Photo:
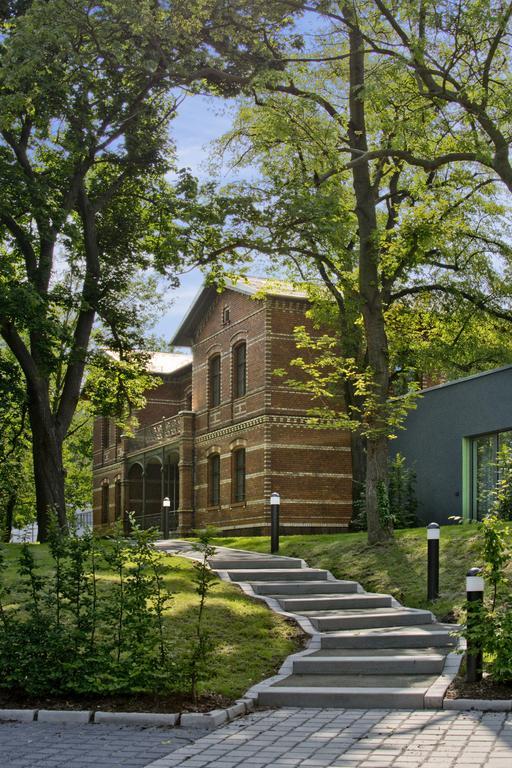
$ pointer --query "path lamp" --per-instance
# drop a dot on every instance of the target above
(433, 534)
(475, 598)
(166, 504)
(275, 503)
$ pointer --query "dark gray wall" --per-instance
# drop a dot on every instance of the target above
(432, 439)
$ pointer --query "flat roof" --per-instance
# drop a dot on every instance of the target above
(467, 378)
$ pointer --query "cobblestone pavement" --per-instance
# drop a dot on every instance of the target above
(47, 745)
(327, 738)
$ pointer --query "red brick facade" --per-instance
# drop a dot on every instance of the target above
(240, 412)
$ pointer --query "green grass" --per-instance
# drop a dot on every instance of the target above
(250, 641)
(399, 568)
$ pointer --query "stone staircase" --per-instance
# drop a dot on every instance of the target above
(366, 650)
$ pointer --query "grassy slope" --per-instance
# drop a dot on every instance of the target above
(251, 642)
(398, 568)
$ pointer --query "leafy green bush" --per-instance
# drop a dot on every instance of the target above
(490, 624)
(80, 633)
(397, 502)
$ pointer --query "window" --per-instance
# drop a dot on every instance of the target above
(105, 437)
(214, 480)
(215, 381)
(484, 473)
(240, 370)
(239, 475)
(104, 504)
(225, 316)
(117, 499)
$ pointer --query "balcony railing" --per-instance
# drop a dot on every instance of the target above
(160, 432)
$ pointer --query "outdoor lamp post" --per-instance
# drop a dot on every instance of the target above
(433, 533)
(166, 504)
(475, 597)
(275, 502)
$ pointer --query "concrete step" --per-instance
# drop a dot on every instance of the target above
(224, 564)
(421, 664)
(334, 602)
(423, 636)
(366, 618)
(283, 574)
(287, 588)
(358, 691)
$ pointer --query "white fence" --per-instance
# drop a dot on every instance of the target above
(83, 522)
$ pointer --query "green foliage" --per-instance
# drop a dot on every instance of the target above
(72, 634)
(397, 503)
(200, 652)
(488, 627)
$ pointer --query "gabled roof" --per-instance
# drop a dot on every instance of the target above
(250, 286)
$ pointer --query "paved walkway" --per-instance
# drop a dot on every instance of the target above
(329, 738)
(286, 738)
(45, 745)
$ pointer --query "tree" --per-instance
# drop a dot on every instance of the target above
(88, 93)
(378, 233)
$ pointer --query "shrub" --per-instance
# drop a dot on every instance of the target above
(77, 632)
(397, 502)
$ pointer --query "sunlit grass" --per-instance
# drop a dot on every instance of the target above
(250, 641)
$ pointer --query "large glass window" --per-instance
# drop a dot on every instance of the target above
(239, 475)
(240, 370)
(214, 480)
(484, 471)
(214, 369)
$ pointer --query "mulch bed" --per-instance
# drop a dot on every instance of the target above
(136, 703)
(485, 689)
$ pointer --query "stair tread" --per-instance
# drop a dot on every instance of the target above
(384, 611)
(394, 681)
(370, 653)
(412, 630)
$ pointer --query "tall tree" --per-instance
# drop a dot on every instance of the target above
(376, 232)
(88, 93)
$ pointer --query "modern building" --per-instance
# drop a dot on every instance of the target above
(451, 440)
(222, 430)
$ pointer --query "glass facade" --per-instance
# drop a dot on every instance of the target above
(484, 472)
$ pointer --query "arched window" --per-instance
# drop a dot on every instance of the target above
(104, 503)
(240, 370)
(238, 475)
(214, 480)
(117, 499)
(214, 376)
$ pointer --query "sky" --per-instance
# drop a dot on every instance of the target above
(199, 122)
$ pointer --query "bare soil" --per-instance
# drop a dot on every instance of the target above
(136, 703)
(485, 689)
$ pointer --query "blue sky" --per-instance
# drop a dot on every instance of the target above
(200, 121)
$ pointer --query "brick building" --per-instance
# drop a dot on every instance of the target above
(221, 432)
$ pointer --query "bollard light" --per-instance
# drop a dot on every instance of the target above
(275, 503)
(475, 598)
(433, 535)
(166, 504)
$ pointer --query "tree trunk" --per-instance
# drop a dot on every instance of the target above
(48, 469)
(380, 529)
(369, 288)
(6, 531)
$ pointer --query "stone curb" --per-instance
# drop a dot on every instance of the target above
(206, 720)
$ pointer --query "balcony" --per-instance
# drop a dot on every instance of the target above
(164, 431)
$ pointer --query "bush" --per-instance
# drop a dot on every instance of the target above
(491, 625)
(78, 633)
(397, 503)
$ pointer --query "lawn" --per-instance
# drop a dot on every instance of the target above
(250, 641)
(399, 568)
